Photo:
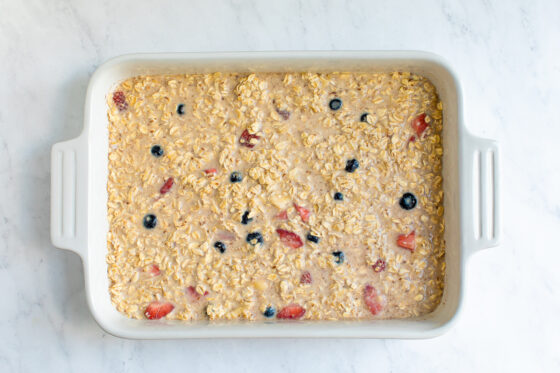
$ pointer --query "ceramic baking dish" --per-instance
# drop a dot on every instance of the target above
(79, 191)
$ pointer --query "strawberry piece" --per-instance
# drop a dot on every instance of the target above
(154, 270)
(407, 241)
(191, 290)
(120, 100)
(306, 278)
(167, 186)
(210, 171)
(289, 238)
(246, 138)
(379, 265)
(282, 215)
(292, 311)
(419, 124)
(372, 300)
(303, 213)
(157, 310)
(412, 138)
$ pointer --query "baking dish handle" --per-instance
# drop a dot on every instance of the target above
(68, 195)
(482, 185)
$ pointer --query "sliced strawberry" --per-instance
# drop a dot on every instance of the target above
(289, 238)
(292, 311)
(120, 100)
(419, 124)
(195, 295)
(211, 171)
(303, 213)
(372, 300)
(282, 215)
(154, 270)
(157, 310)
(306, 278)
(379, 265)
(407, 241)
(167, 186)
(246, 138)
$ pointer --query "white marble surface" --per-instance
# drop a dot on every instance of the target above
(507, 55)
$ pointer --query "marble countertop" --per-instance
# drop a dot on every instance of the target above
(507, 56)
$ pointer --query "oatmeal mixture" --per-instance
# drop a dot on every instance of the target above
(273, 195)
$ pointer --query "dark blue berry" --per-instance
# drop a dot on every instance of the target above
(408, 201)
(157, 151)
(338, 196)
(150, 221)
(255, 238)
(235, 177)
(181, 109)
(312, 238)
(338, 257)
(245, 219)
(335, 104)
(363, 117)
(352, 165)
(269, 312)
(220, 246)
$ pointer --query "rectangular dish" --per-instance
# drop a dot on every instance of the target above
(79, 194)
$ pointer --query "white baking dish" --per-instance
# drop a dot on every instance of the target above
(79, 191)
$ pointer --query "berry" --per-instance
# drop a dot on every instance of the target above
(235, 177)
(338, 196)
(352, 165)
(153, 269)
(210, 171)
(157, 151)
(292, 311)
(419, 124)
(245, 219)
(269, 312)
(246, 139)
(150, 221)
(407, 241)
(312, 238)
(195, 295)
(167, 186)
(371, 299)
(285, 114)
(181, 109)
(363, 117)
(306, 278)
(120, 100)
(338, 257)
(408, 201)
(282, 215)
(303, 213)
(379, 265)
(157, 310)
(255, 238)
(220, 246)
(335, 104)
(289, 239)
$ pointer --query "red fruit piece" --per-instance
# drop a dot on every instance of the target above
(282, 215)
(154, 270)
(407, 241)
(157, 310)
(379, 265)
(303, 213)
(167, 186)
(120, 100)
(246, 138)
(285, 114)
(419, 124)
(211, 171)
(289, 238)
(191, 290)
(306, 278)
(371, 300)
(412, 139)
(292, 311)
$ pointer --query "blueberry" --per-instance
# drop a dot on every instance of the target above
(150, 221)
(157, 151)
(335, 104)
(245, 219)
(181, 109)
(220, 246)
(312, 238)
(235, 177)
(254, 238)
(408, 201)
(269, 312)
(338, 257)
(338, 196)
(352, 165)
(363, 117)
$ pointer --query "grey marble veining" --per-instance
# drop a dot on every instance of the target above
(507, 55)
